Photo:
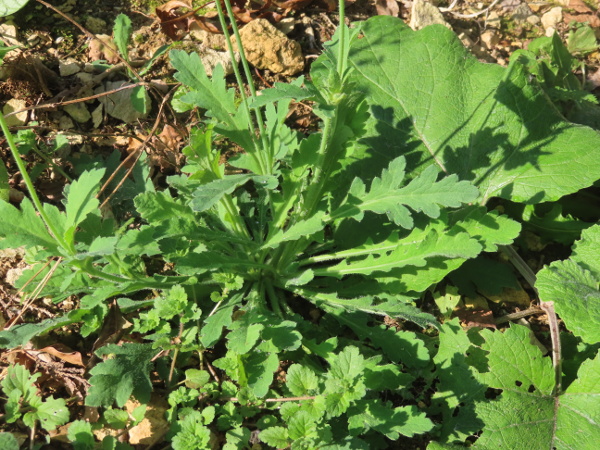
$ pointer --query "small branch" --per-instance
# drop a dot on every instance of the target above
(274, 400)
(519, 315)
(548, 307)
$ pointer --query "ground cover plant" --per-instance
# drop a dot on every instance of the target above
(302, 294)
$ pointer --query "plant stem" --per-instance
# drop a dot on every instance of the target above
(265, 167)
(36, 200)
(548, 307)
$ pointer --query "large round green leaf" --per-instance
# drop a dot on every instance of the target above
(8, 7)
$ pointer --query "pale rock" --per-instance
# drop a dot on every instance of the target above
(424, 13)
(78, 112)
(19, 119)
(490, 39)
(268, 48)
(68, 67)
(493, 20)
(210, 58)
(466, 40)
(286, 25)
(534, 20)
(210, 40)
(552, 18)
(521, 13)
(8, 33)
(550, 31)
(118, 104)
(96, 25)
(13, 275)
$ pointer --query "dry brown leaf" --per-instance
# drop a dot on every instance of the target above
(70, 357)
(174, 23)
(387, 7)
(592, 19)
(97, 49)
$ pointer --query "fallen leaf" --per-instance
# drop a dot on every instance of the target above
(70, 357)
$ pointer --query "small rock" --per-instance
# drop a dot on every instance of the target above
(424, 13)
(490, 39)
(19, 119)
(33, 39)
(210, 40)
(68, 67)
(118, 104)
(13, 275)
(552, 18)
(96, 25)
(97, 49)
(521, 13)
(8, 33)
(550, 31)
(210, 58)
(286, 25)
(534, 20)
(268, 48)
(493, 20)
(78, 112)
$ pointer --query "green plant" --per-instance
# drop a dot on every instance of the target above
(122, 32)
(24, 402)
(8, 7)
(551, 64)
(290, 265)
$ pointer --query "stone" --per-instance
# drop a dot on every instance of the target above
(490, 39)
(68, 67)
(534, 20)
(268, 48)
(424, 13)
(521, 13)
(8, 33)
(210, 40)
(210, 58)
(493, 20)
(551, 18)
(19, 119)
(78, 112)
(65, 123)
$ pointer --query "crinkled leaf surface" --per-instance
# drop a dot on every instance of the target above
(527, 406)
(116, 378)
(587, 249)
(434, 102)
(23, 227)
(8, 7)
(388, 195)
(576, 297)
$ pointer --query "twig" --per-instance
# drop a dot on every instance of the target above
(138, 155)
(274, 400)
(548, 307)
(519, 315)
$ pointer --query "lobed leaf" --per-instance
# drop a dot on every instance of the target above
(422, 194)
(576, 296)
(435, 103)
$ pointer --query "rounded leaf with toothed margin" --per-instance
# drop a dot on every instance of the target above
(435, 103)
(8, 7)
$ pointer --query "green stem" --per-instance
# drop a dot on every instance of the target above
(36, 200)
(259, 158)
